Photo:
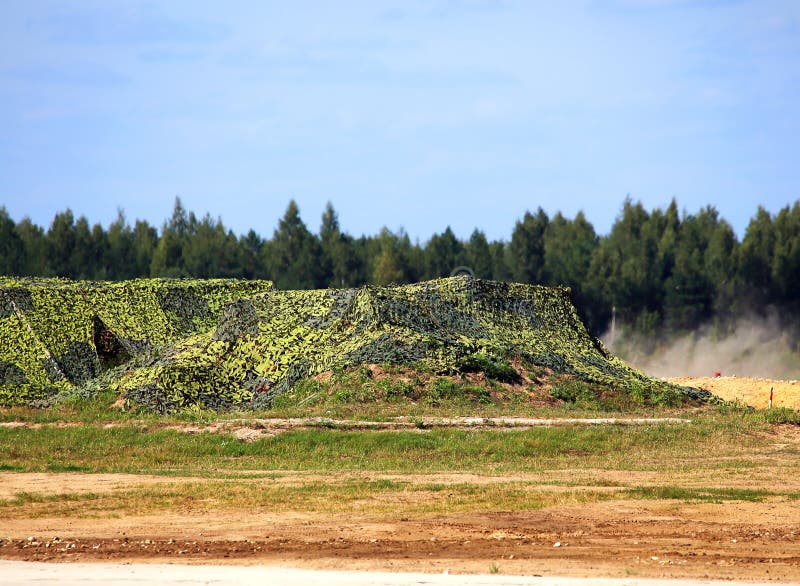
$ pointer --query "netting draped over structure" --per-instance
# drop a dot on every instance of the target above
(226, 344)
(57, 334)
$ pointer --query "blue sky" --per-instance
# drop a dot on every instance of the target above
(403, 114)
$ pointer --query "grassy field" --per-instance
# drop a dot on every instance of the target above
(138, 449)
(114, 442)
(95, 473)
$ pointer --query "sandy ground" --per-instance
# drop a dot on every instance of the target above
(619, 538)
(28, 573)
(750, 391)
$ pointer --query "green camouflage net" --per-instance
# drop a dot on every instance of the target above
(222, 344)
(57, 335)
(264, 344)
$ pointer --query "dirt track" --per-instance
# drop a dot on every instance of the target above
(617, 538)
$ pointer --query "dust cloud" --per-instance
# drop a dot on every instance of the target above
(756, 347)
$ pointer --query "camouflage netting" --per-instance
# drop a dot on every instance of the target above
(221, 344)
(57, 335)
(264, 344)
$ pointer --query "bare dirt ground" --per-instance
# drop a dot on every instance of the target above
(750, 391)
(743, 541)
(739, 540)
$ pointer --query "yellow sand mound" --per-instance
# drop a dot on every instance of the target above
(751, 391)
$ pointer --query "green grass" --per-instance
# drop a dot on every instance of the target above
(25, 498)
(330, 496)
(493, 367)
(715, 495)
(349, 495)
(357, 393)
(782, 415)
(482, 386)
(575, 393)
(76, 409)
(380, 401)
(724, 455)
(139, 448)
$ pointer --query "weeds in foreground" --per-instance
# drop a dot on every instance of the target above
(782, 415)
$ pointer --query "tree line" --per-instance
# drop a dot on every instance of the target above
(657, 271)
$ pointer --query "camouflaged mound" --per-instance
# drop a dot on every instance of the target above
(172, 344)
(57, 335)
(264, 344)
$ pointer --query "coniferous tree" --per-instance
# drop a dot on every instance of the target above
(118, 261)
(145, 240)
(755, 260)
(413, 256)
(100, 252)
(526, 250)
(292, 257)
(34, 244)
(363, 248)
(624, 271)
(81, 259)
(442, 254)
(341, 265)
(229, 264)
(200, 253)
(168, 255)
(568, 249)
(662, 272)
(721, 259)
(210, 251)
(500, 269)
(689, 291)
(668, 225)
(388, 265)
(61, 243)
(250, 256)
(479, 255)
(785, 263)
(329, 235)
(12, 249)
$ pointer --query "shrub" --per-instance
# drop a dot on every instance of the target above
(493, 367)
(575, 392)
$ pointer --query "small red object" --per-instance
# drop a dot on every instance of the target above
(717, 374)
